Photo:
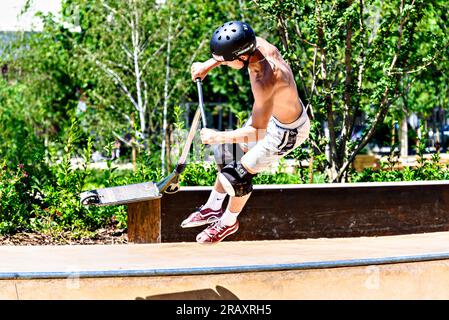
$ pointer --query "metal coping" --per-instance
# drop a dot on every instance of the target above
(224, 269)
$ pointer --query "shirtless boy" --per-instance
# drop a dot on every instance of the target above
(278, 124)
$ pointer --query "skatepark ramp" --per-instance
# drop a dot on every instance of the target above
(412, 266)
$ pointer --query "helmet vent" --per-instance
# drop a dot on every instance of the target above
(233, 30)
(230, 23)
(227, 37)
(219, 38)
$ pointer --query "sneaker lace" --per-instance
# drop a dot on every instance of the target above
(217, 226)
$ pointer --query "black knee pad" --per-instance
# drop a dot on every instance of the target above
(236, 180)
(226, 153)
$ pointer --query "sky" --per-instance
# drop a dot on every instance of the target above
(10, 9)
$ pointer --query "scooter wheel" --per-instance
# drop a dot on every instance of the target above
(173, 188)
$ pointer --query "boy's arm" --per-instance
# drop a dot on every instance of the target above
(261, 113)
(260, 116)
(243, 135)
(201, 69)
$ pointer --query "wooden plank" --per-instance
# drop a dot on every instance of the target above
(315, 211)
(144, 221)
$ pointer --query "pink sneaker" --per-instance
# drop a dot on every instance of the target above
(201, 217)
(216, 232)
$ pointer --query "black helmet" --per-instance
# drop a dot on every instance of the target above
(232, 39)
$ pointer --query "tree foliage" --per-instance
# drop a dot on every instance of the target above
(356, 63)
(355, 59)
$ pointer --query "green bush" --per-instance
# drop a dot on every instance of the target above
(62, 193)
(199, 174)
(45, 198)
(204, 174)
(15, 201)
(427, 169)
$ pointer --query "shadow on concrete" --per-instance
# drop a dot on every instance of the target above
(220, 293)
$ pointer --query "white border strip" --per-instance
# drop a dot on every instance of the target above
(334, 185)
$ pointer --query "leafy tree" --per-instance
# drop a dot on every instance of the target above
(134, 58)
(354, 58)
(41, 65)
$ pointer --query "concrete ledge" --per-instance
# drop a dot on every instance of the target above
(418, 280)
(395, 267)
(322, 210)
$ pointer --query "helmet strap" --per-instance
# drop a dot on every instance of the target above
(246, 62)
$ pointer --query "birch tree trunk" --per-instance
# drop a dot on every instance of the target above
(403, 136)
(137, 45)
(167, 79)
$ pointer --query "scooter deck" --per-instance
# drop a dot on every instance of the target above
(121, 195)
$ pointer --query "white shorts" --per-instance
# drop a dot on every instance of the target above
(280, 140)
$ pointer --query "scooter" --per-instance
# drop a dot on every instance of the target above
(150, 190)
